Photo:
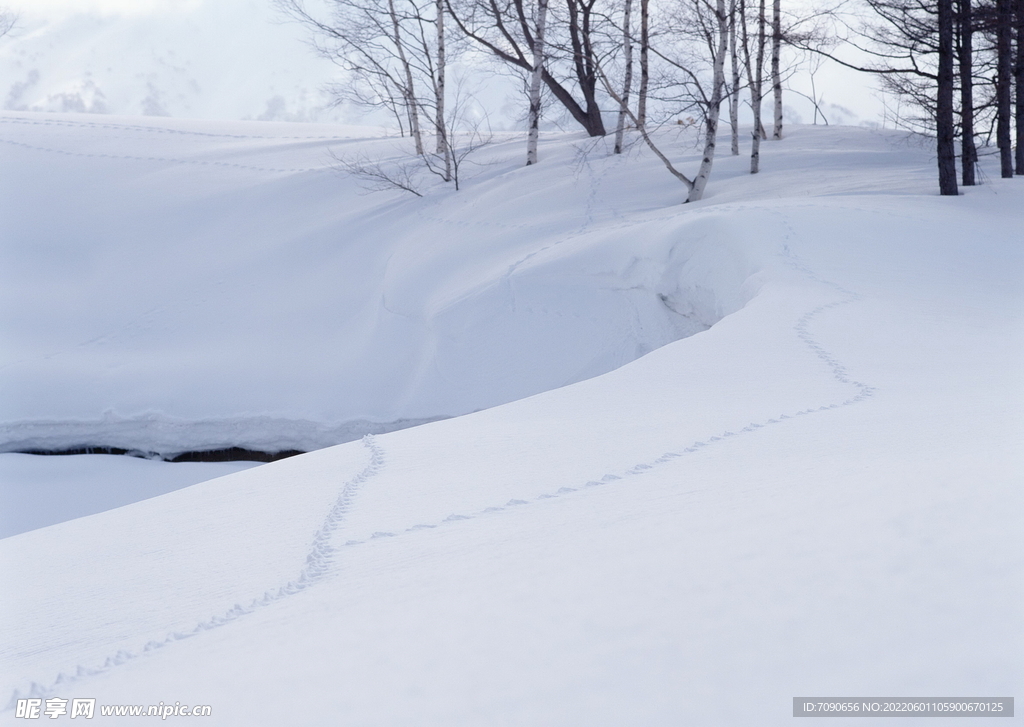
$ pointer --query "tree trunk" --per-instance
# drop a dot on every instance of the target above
(714, 105)
(776, 72)
(734, 91)
(968, 150)
(535, 81)
(946, 151)
(755, 93)
(440, 129)
(1004, 89)
(408, 93)
(580, 12)
(645, 76)
(1019, 72)
(627, 50)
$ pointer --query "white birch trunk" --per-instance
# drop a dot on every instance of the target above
(440, 129)
(701, 180)
(776, 73)
(535, 83)
(755, 94)
(645, 74)
(408, 93)
(734, 92)
(627, 46)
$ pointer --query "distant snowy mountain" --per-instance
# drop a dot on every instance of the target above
(224, 59)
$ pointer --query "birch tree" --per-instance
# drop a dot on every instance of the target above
(408, 89)
(503, 29)
(734, 88)
(440, 130)
(711, 124)
(627, 52)
(536, 77)
(755, 74)
(645, 73)
(394, 54)
(710, 27)
(776, 72)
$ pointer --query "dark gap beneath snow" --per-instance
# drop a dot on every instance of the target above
(227, 454)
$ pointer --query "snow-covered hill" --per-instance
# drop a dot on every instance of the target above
(817, 495)
(223, 287)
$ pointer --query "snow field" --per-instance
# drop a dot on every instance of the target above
(817, 495)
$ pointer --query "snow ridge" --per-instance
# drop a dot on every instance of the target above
(838, 370)
(317, 565)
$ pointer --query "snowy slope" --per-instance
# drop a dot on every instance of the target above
(819, 495)
(224, 288)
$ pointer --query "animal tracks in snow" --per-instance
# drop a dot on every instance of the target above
(322, 551)
(159, 130)
(803, 333)
(316, 565)
(168, 160)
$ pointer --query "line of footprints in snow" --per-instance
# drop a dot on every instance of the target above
(321, 554)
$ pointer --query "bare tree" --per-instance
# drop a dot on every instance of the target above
(714, 105)
(379, 175)
(944, 121)
(1004, 88)
(911, 47)
(965, 57)
(710, 25)
(536, 76)
(394, 53)
(503, 28)
(734, 87)
(8, 19)
(755, 73)
(1019, 74)
(464, 134)
(776, 72)
(627, 49)
(645, 73)
(412, 103)
(440, 132)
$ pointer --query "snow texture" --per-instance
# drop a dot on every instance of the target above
(817, 493)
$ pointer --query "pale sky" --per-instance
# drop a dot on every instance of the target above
(57, 8)
(226, 59)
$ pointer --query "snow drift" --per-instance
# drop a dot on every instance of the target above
(224, 287)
